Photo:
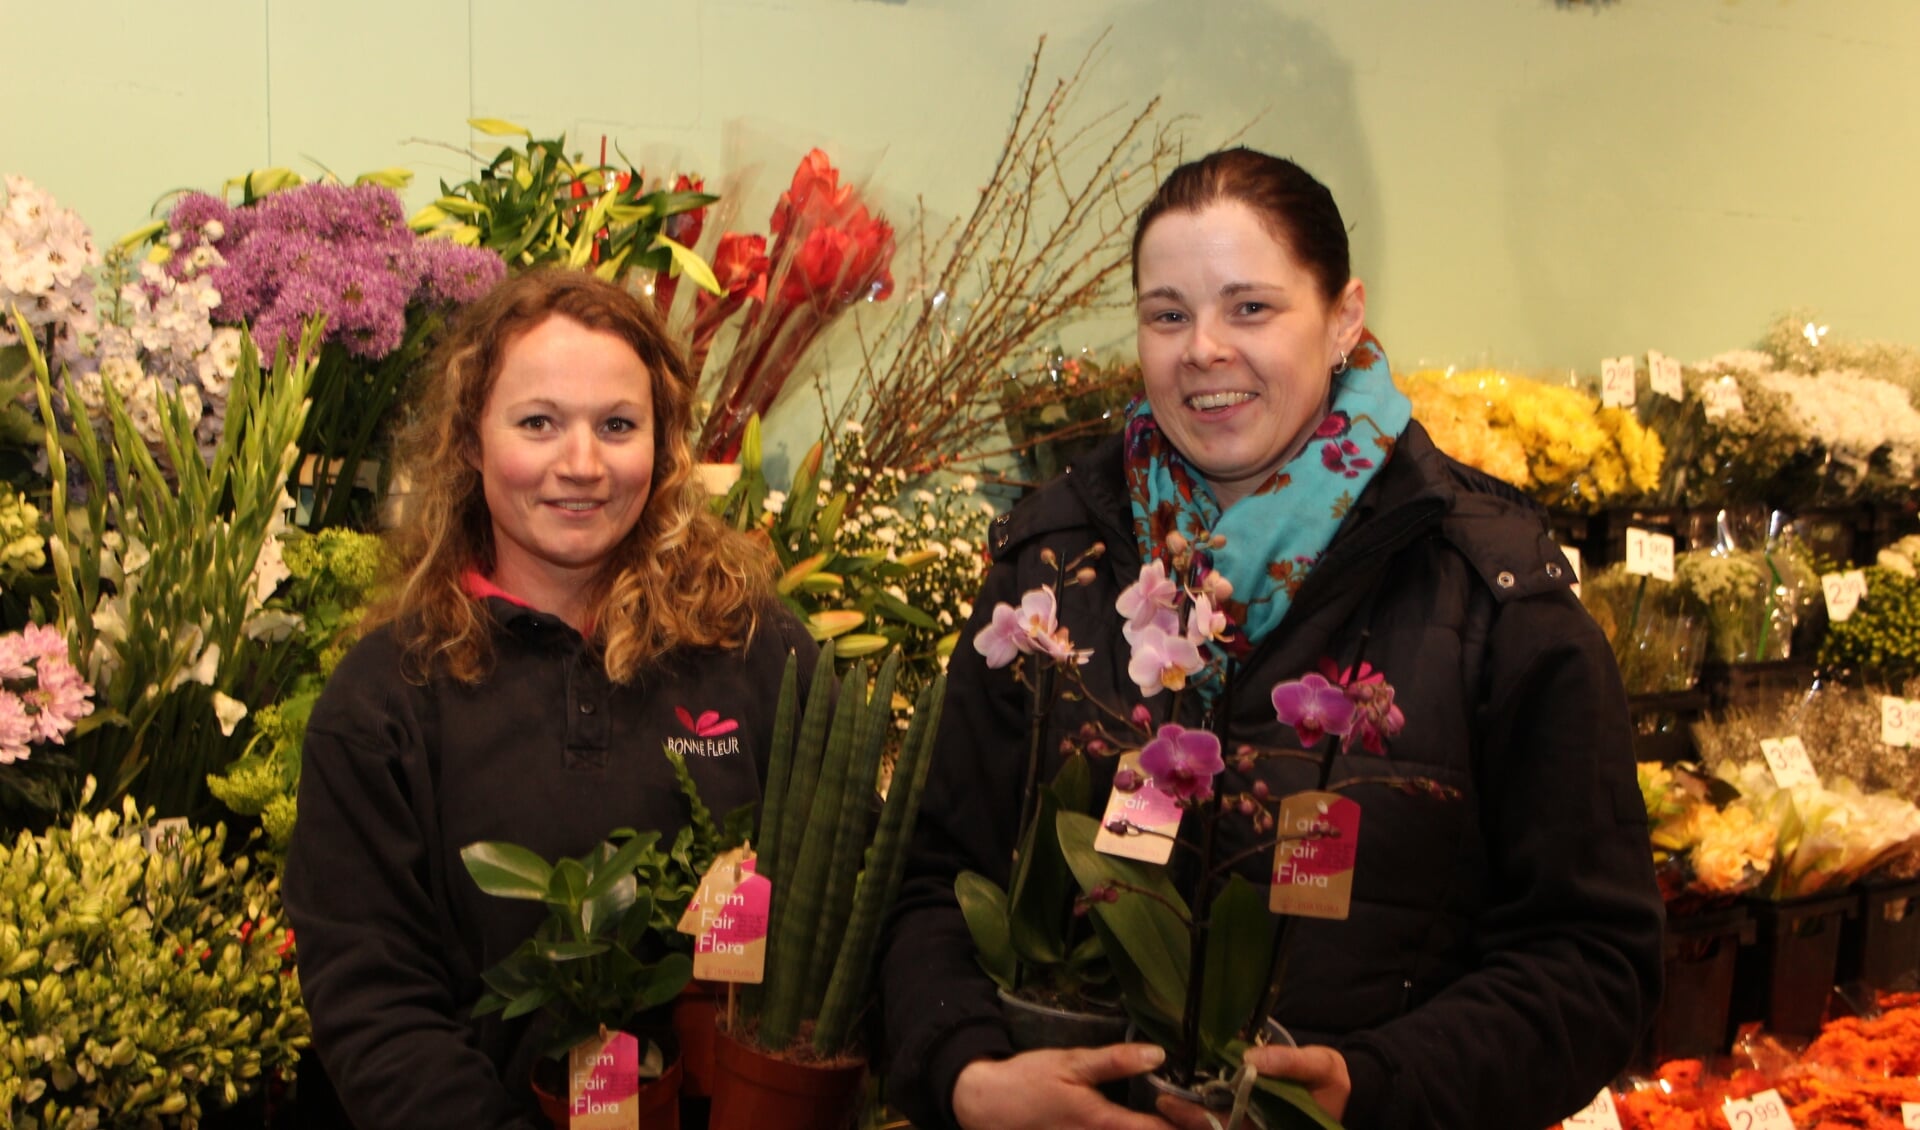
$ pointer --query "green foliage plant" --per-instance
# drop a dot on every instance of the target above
(815, 831)
(159, 571)
(535, 206)
(1880, 642)
(138, 986)
(609, 950)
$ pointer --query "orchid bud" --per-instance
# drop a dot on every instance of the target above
(1141, 716)
(1176, 544)
(1261, 791)
(1085, 576)
(1216, 586)
(1049, 557)
(1218, 541)
(1097, 549)
(1080, 908)
(1066, 747)
(1127, 781)
(1244, 763)
(1246, 806)
(1109, 893)
(1097, 748)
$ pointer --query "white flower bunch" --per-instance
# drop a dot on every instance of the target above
(1855, 416)
(46, 260)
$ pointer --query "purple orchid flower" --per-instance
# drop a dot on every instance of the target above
(1314, 708)
(1183, 762)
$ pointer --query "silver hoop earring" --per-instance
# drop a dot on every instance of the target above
(1340, 366)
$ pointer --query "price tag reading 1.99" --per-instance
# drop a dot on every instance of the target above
(1764, 1111)
(1649, 554)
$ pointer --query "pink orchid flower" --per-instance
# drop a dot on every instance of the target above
(1183, 762)
(1148, 599)
(1162, 660)
(1314, 708)
(1032, 628)
(1204, 623)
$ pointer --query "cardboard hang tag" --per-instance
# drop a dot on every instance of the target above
(1600, 1114)
(1313, 862)
(1154, 815)
(1764, 1111)
(1787, 759)
(730, 918)
(603, 1083)
(1649, 553)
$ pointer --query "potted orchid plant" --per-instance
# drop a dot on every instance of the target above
(1200, 960)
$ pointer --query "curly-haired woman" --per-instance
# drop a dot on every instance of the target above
(563, 606)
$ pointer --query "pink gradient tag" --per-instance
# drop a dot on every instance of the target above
(604, 1082)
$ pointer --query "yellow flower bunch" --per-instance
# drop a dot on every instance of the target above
(1556, 443)
(1702, 849)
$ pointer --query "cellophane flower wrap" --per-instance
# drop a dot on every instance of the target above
(1828, 837)
(1703, 852)
(828, 252)
(1657, 631)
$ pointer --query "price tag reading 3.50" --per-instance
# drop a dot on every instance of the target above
(1649, 554)
(1598, 1115)
(1764, 1111)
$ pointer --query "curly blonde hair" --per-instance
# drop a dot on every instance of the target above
(680, 578)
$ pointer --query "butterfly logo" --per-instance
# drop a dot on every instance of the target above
(708, 725)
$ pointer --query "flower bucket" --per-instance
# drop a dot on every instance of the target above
(1700, 951)
(694, 1016)
(756, 1091)
(1881, 948)
(1784, 979)
(1035, 1025)
(658, 1105)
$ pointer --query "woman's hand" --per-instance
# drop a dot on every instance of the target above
(1320, 1069)
(1053, 1089)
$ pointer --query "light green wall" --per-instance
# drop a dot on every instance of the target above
(1530, 185)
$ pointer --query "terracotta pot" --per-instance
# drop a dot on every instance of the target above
(694, 1017)
(658, 1099)
(756, 1091)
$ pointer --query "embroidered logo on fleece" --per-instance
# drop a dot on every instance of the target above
(710, 734)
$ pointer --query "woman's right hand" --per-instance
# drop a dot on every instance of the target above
(1053, 1088)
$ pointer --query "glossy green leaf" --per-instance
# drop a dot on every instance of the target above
(507, 870)
(1040, 906)
(1146, 939)
(571, 951)
(985, 907)
(1287, 1106)
(567, 886)
(1239, 961)
(528, 1002)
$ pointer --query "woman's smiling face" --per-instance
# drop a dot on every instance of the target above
(1237, 342)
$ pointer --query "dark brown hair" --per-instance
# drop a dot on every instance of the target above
(1297, 209)
(680, 578)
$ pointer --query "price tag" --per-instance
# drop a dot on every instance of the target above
(1649, 554)
(165, 834)
(1573, 559)
(728, 918)
(1910, 1115)
(1616, 382)
(1722, 398)
(1313, 862)
(1663, 374)
(1788, 759)
(1598, 1115)
(1899, 721)
(1146, 818)
(1764, 1111)
(1844, 592)
(603, 1089)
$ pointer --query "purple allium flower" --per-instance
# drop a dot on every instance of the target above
(1183, 762)
(454, 275)
(1314, 708)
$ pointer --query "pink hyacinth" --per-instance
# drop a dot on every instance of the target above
(1314, 708)
(1183, 762)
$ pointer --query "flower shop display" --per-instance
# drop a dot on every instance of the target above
(1061, 409)
(1047, 244)
(1658, 633)
(1753, 589)
(1707, 846)
(163, 580)
(1555, 442)
(146, 977)
(534, 206)
(342, 254)
(790, 1056)
(1880, 641)
(828, 252)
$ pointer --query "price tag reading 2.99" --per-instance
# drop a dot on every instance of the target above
(1764, 1111)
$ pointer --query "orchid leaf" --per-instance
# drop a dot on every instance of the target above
(1145, 931)
(1239, 953)
(985, 907)
(1040, 908)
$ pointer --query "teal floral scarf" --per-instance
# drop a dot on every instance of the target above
(1275, 535)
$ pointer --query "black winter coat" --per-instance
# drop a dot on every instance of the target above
(1502, 955)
